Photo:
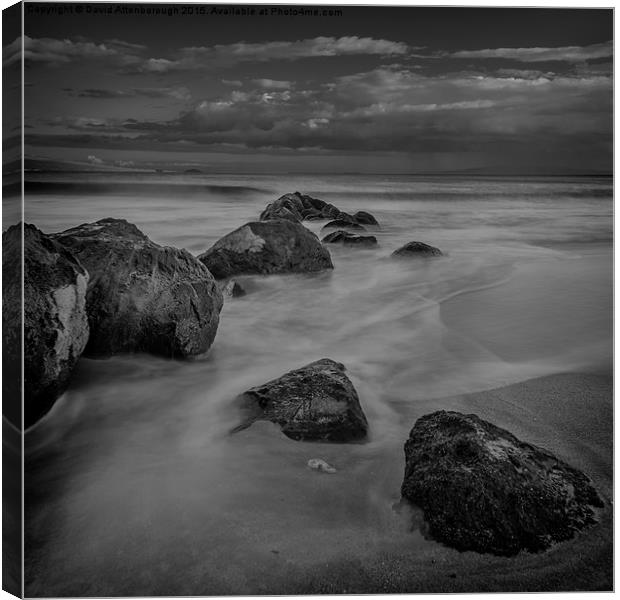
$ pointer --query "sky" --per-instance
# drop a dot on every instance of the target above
(365, 89)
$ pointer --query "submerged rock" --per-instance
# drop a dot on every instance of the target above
(55, 321)
(143, 297)
(266, 247)
(350, 239)
(417, 249)
(365, 218)
(482, 489)
(315, 402)
(318, 464)
(343, 224)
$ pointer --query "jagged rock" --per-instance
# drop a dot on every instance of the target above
(55, 321)
(293, 207)
(343, 224)
(482, 489)
(266, 247)
(300, 207)
(365, 218)
(350, 239)
(231, 289)
(417, 249)
(143, 297)
(315, 402)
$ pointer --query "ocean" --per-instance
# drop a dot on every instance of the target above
(133, 483)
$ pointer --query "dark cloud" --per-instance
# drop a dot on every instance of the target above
(386, 109)
(379, 96)
(176, 93)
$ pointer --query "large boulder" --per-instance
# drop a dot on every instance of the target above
(264, 247)
(350, 239)
(315, 402)
(417, 249)
(143, 297)
(482, 489)
(54, 319)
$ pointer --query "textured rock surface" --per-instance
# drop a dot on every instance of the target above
(301, 207)
(143, 297)
(265, 247)
(297, 207)
(343, 224)
(365, 218)
(482, 489)
(350, 239)
(417, 249)
(316, 402)
(55, 321)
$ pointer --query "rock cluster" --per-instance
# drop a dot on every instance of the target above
(315, 402)
(482, 489)
(298, 207)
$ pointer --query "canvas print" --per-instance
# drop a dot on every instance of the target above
(305, 299)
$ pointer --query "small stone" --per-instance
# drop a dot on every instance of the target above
(232, 290)
(318, 464)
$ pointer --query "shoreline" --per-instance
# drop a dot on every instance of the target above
(568, 414)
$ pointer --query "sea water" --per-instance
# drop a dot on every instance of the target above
(133, 483)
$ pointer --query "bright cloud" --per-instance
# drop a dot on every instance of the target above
(573, 54)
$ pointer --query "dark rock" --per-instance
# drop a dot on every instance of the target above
(350, 239)
(231, 289)
(365, 218)
(291, 207)
(300, 207)
(417, 249)
(482, 489)
(143, 297)
(316, 402)
(343, 224)
(55, 321)
(267, 247)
